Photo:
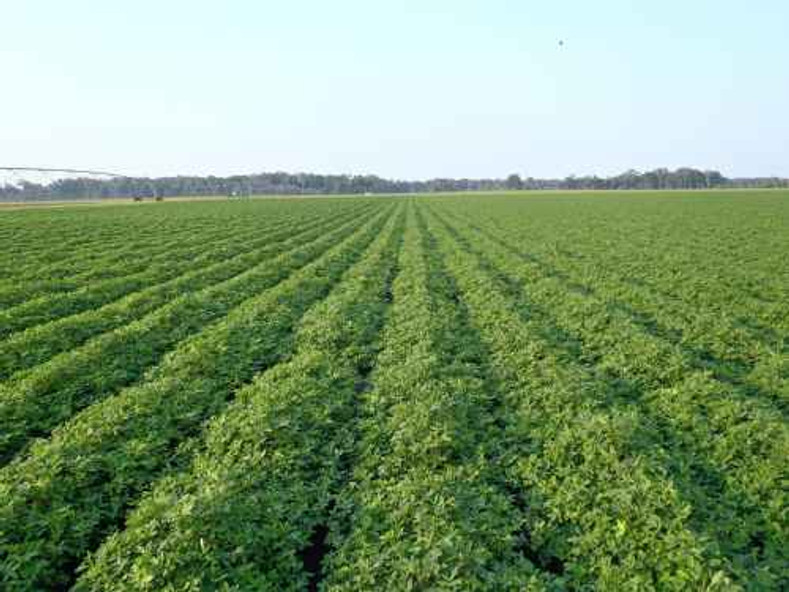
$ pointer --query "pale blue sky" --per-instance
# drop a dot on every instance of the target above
(408, 89)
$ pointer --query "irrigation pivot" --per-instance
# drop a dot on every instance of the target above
(63, 171)
(24, 183)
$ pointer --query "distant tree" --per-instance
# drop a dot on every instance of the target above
(288, 184)
(514, 181)
(714, 179)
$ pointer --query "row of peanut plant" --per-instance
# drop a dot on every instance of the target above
(40, 343)
(724, 449)
(597, 506)
(542, 392)
(261, 485)
(427, 507)
(95, 465)
(38, 400)
(177, 255)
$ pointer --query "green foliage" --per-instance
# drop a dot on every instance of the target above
(212, 521)
(222, 262)
(98, 462)
(51, 393)
(425, 509)
(447, 393)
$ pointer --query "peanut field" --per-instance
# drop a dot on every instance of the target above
(537, 391)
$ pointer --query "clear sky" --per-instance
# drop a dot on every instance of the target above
(404, 89)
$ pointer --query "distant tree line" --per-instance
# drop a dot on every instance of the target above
(280, 183)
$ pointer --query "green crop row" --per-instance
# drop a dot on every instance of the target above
(179, 256)
(542, 392)
(753, 358)
(51, 393)
(595, 503)
(62, 497)
(96, 257)
(134, 250)
(81, 229)
(268, 467)
(725, 452)
(107, 265)
(38, 344)
(713, 265)
(725, 255)
(426, 508)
